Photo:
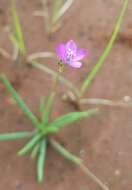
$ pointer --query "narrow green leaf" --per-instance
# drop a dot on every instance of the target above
(48, 108)
(41, 159)
(106, 52)
(64, 152)
(70, 118)
(18, 35)
(14, 40)
(30, 145)
(42, 106)
(35, 151)
(20, 102)
(15, 136)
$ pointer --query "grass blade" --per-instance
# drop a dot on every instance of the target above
(48, 108)
(42, 106)
(15, 136)
(106, 52)
(20, 102)
(29, 145)
(70, 118)
(35, 151)
(18, 34)
(41, 159)
(64, 152)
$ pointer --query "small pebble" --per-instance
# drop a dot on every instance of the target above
(127, 98)
(117, 172)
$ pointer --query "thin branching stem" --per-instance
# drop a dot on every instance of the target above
(105, 102)
(77, 161)
(93, 177)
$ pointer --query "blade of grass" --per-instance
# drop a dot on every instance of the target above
(35, 151)
(18, 35)
(48, 108)
(14, 41)
(30, 145)
(42, 106)
(15, 136)
(20, 102)
(41, 159)
(87, 82)
(54, 74)
(64, 152)
(70, 118)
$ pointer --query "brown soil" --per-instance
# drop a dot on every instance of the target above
(103, 141)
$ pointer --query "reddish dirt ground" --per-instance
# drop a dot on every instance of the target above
(103, 141)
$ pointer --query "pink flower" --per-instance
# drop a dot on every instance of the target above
(69, 54)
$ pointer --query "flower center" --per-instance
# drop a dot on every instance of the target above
(70, 54)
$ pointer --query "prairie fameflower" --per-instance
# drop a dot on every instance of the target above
(69, 54)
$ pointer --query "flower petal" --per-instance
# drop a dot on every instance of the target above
(75, 64)
(61, 51)
(81, 53)
(71, 45)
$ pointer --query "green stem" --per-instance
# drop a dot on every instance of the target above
(65, 153)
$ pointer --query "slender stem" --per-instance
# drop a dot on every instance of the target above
(93, 177)
(59, 13)
(106, 102)
(39, 55)
(77, 161)
(64, 152)
(4, 53)
(46, 16)
(54, 73)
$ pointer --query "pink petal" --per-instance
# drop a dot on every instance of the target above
(61, 51)
(75, 64)
(71, 45)
(81, 53)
